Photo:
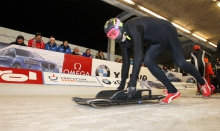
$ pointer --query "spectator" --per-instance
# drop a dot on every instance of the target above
(87, 53)
(19, 41)
(76, 51)
(184, 73)
(117, 60)
(64, 48)
(170, 69)
(165, 69)
(197, 59)
(100, 55)
(208, 70)
(121, 61)
(51, 45)
(36, 42)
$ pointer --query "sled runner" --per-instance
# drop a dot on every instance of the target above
(116, 97)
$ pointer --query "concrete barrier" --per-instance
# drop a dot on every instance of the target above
(78, 91)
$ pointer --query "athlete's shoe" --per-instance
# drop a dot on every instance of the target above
(205, 89)
(169, 98)
(165, 92)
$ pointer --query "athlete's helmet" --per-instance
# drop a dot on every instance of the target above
(196, 47)
(114, 29)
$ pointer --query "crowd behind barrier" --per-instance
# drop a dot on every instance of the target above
(51, 45)
(9, 35)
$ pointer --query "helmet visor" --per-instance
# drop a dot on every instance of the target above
(113, 34)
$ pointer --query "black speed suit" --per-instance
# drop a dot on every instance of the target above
(160, 34)
(198, 60)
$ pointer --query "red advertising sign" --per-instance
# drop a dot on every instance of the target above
(77, 65)
(23, 76)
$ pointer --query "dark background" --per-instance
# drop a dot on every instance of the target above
(80, 22)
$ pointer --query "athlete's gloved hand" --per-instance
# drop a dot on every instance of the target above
(131, 91)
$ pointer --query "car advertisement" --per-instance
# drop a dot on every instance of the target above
(23, 76)
(77, 65)
(69, 79)
(15, 56)
(189, 79)
(143, 84)
(110, 81)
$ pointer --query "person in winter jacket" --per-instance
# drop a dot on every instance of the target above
(19, 41)
(87, 54)
(51, 45)
(76, 51)
(36, 42)
(64, 48)
(100, 55)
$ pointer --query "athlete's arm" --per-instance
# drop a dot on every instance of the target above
(126, 63)
(137, 36)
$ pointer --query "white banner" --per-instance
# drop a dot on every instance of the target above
(189, 79)
(106, 68)
(144, 72)
(68, 79)
(35, 59)
(109, 81)
(103, 68)
(143, 84)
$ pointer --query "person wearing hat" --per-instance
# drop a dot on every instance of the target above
(36, 42)
(51, 45)
(19, 41)
(197, 59)
(159, 34)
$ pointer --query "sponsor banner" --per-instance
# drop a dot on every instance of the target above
(12, 75)
(109, 81)
(183, 85)
(102, 68)
(143, 84)
(69, 79)
(143, 74)
(15, 56)
(77, 65)
(189, 79)
(174, 76)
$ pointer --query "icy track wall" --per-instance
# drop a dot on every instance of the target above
(38, 66)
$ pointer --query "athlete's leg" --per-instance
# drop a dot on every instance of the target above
(177, 54)
(201, 69)
(150, 61)
(179, 59)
